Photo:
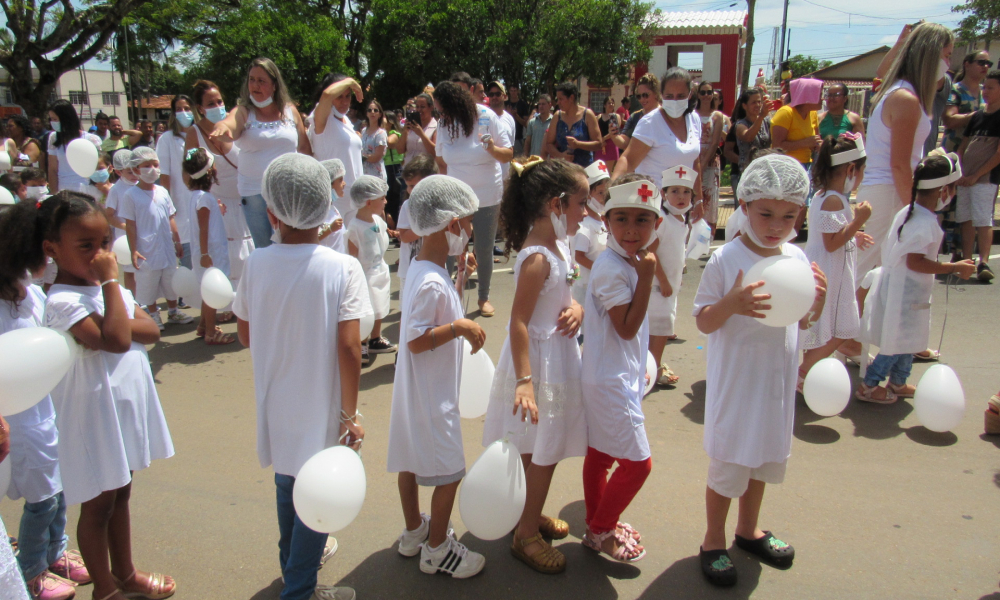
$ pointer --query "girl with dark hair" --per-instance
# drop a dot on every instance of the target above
(65, 125)
(374, 141)
(332, 135)
(752, 127)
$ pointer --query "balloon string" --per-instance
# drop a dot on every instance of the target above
(952, 280)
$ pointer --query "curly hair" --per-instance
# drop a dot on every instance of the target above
(527, 195)
(194, 161)
(20, 249)
(458, 109)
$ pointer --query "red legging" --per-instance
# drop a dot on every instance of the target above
(606, 499)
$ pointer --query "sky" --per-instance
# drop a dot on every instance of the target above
(832, 30)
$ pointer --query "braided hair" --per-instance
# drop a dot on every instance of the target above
(932, 166)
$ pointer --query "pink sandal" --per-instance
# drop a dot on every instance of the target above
(629, 531)
(627, 550)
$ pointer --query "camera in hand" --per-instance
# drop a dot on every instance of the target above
(413, 117)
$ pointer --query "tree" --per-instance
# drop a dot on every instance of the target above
(981, 20)
(748, 52)
(803, 65)
(54, 37)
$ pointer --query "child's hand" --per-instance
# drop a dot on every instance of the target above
(862, 212)
(222, 207)
(524, 398)
(470, 262)
(136, 257)
(104, 265)
(471, 331)
(820, 300)
(570, 320)
(965, 268)
(863, 240)
(355, 434)
(4, 438)
(178, 249)
(665, 289)
(337, 225)
(645, 264)
(206, 261)
(744, 301)
(392, 233)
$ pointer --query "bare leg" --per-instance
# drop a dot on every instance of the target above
(750, 501)
(537, 479)
(811, 357)
(968, 239)
(92, 535)
(120, 545)
(656, 345)
(376, 330)
(713, 226)
(442, 503)
(171, 304)
(208, 319)
(409, 497)
(716, 511)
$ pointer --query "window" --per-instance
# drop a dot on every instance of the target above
(110, 99)
(5, 95)
(597, 98)
(53, 97)
(78, 98)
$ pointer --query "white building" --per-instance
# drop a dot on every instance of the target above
(90, 90)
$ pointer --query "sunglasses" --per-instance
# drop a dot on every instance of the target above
(706, 92)
(985, 63)
(834, 94)
(495, 94)
(644, 96)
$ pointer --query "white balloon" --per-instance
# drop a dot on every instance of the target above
(185, 282)
(827, 388)
(330, 489)
(216, 289)
(5, 196)
(939, 401)
(792, 287)
(81, 155)
(34, 361)
(699, 240)
(4, 162)
(492, 496)
(5, 476)
(367, 324)
(476, 381)
(651, 371)
(122, 252)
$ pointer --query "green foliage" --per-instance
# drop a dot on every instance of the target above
(982, 17)
(803, 65)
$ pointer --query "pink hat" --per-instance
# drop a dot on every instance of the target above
(805, 91)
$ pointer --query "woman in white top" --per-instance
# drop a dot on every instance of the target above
(170, 149)
(332, 135)
(65, 125)
(265, 124)
(467, 150)
(419, 136)
(374, 141)
(667, 137)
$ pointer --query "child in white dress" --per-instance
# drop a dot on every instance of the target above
(834, 240)
(614, 367)
(425, 432)
(416, 169)
(538, 373)
(331, 232)
(750, 393)
(897, 316)
(126, 180)
(107, 410)
(367, 240)
(591, 238)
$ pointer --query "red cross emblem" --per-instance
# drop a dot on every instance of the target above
(645, 193)
(602, 167)
(681, 172)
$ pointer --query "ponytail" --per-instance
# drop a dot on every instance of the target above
(532, 183)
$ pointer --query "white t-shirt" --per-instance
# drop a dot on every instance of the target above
(294, 296)
(506, 140)
(469, 161)
(68, 179)
(371, 238)
(339, 140)
(591, 239)
(336, 239)
(218, 243)
(670, 251)
(665, 150)
(405, 248)
(170, 150)
(151, 210)
(114, 200)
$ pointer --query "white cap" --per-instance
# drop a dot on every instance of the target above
(955, 175)
(596, 172)
(636, 194)
(679, 175)
(849, 155)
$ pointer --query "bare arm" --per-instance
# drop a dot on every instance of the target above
(634, 154)
(708, 153)
(231, 128)
(887, 60)
(902, 109)
(304, 147)
(627, 318)
(53, 173)
(833, 241)
(144, 329)
(921, 264)
(534, 272)
(442, 334)
(740, 300)
(111, 332)
(349, 362)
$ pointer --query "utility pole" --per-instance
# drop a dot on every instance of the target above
(784, 27)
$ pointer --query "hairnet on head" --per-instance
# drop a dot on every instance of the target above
(141, 155)
(774, 176)
(296, 189)
(367, 187)
(436, 200)
(122, 159)
(335, 167)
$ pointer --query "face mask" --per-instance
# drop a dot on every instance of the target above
(56, 126)
(559, 225)
(677, 212)
(943, 201)
(942, 69)
(215, 114)
(457, 244)
(149, 174)
(675, 108)
(748, 231)
(276, 236)
(35, 192)
(100, 176)
(849, 184)
(263, 104)
(595, 206)
(184, 117)
(337, 113)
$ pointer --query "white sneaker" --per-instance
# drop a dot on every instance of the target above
(179, 318)
(328, 592)
(452, 558)
(410, 541)
(329, 550)
(156, 319)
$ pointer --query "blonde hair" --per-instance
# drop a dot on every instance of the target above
(281, 96)
(917, 63)
(649, 80)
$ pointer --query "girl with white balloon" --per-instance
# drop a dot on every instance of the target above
(425, 433)
(72, 152)
(110, 421)
(535, 401)
(126, 180)
(33, 463)
(298, 308)
(751, 372)
(897, 315)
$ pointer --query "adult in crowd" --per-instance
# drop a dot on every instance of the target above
(374, 141)
(463, 79)
(101, 122)
(534, 137)
(519, 109)
(147, 136)
(795, 128)
(647, 92)
(393, 165)
(478, 91)
(752, 126)
(623, 109)
(837, 119)
(610, 124)
(66, 127)
(496, 97)
(966, 97)
(24, 150)
(265, 125)
(332, 133)
(712, 126)
(418, 134)
(574, 133)
(464, 152)
(170, 150)
(118, 136)
(38, 129)
(161, 128)
(668, 136)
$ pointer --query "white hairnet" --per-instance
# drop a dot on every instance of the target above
(774, 176)
(436, 200)
(367, 187)
(122, 159)
(335, 167)
(141, 155)
(297, 190)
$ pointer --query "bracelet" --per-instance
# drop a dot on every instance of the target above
(524, 379)
(454, 335)
(104, 283)
(345, 418)
(433, 341)
(205, 254)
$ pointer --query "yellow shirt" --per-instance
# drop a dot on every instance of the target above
(798, 129)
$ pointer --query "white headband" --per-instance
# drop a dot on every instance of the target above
(849, 155)
(955, 175)
(211, 162)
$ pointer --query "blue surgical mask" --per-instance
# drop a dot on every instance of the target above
(215, 114)
(184, 117)
(56, 126)
(100, 176)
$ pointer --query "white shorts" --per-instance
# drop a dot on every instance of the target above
(975, 203)
(662, 313)
(731, 480)
(153, 284)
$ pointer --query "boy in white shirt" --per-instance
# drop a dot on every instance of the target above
(298, 307)
(418, 167)
(331, 232)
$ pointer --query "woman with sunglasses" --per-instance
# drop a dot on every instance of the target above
(374, 141)
(966, 97)
(713, 128)
(837, 119)
(647, 91)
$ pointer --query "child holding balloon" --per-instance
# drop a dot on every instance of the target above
(538, 374)
(897, 316)
(425, 433)
(749, 411)
(591, 238)
(45, 562)
(107, 410)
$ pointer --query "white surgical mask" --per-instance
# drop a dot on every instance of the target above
(675, 108)
(35, 192)
(215, 114)
(457, 244)
(340, 116)
(677, 212)
(184, 117)
(616, 247)
(56, 126)
(942, 69)
(149, 174)
(559, 225)
(276, 236)
(261, 104)
(849, 184)
(943, 200)
(595, 206)
(748, 231)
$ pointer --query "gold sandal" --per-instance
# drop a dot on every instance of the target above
(555, 529)
(156, 587)
(548, 560)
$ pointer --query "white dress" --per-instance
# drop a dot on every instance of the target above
(107, 410)
(238, 238)
(839, 318)
(591, 239)
(561, 431)
(425, 430)
(898, 307)
(752, 370)
(670, 253)
(113, 201)
(336, 239)
(372, 239)
(170, 150)
(34, 439)
(218, 245)
(11, 581)
(614, 369)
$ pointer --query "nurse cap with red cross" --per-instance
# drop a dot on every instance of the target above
(635, 194)
(681, 175)
(597, 172)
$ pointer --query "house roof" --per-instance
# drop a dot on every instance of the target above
(821, 72)
(702, 22)
(155, 102)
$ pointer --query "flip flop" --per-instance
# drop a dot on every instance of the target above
(718, 567)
